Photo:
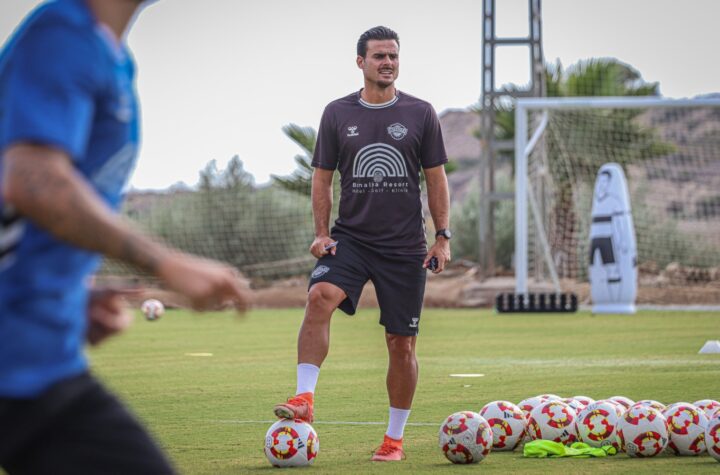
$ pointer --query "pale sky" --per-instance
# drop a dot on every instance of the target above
(218, 78)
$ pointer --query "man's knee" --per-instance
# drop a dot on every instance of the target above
(324, 298)
(400, 345)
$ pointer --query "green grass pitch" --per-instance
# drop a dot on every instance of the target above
(211, 412)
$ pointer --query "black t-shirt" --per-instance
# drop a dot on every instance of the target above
(378, 150)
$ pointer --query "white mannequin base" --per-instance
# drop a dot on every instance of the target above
(624, 308)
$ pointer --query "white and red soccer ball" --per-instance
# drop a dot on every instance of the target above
(584, 400)
(465, 437)
(553, 420)
(507, 423)
(619, 408)
(550, 397)
(152, 309)
(623, 401)
(712, 437)
(709, 406)
(527, 405)
(686, 428)
(575, 404)
(597, 424)
(642, 431)
(291, 443)
(651, 403)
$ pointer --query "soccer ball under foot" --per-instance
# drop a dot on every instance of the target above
(291, 443)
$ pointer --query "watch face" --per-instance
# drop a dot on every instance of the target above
(444, 233)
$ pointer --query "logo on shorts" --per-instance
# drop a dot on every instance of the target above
(319, 271)
(414, 323)
(397, 131)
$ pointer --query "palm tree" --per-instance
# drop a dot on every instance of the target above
(300, 180)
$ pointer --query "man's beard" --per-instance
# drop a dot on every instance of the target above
(385, 84)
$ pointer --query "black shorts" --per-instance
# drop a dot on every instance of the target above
(399, 283)
(75, 427)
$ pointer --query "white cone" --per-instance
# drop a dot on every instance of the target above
(710, 346)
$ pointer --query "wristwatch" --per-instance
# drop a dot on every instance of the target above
(444, 233)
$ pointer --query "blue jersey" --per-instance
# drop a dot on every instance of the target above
(65, 82)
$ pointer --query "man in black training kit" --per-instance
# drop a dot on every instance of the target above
(378, 138)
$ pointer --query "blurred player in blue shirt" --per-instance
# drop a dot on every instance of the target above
(68, 143)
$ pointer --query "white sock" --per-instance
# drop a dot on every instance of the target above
(307, 376)
(396, 426)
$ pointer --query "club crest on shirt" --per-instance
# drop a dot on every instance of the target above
(397, 131)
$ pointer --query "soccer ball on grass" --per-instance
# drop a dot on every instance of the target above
(507, 422)
(712, 437)
(465, 437)
(152, 309)
(553, 420)
(642, 431)
(597, 424)
(686, 428)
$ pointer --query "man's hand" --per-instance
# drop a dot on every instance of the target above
(439, 204)
(320, 246)
(440, 250)
(207, 284)
(107, 313)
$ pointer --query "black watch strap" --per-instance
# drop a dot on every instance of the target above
(444, 233)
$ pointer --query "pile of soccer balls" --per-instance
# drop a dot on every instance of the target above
(640, 429)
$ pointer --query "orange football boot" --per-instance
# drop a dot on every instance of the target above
(390, 451)
(297, 407)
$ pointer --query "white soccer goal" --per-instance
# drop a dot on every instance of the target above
(670, 152)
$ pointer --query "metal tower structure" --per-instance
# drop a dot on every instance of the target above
(490, 98)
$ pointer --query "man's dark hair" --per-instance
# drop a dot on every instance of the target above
(377, 33)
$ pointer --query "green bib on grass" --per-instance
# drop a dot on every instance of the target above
(548, 448)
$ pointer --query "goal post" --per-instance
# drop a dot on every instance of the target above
(670, 150)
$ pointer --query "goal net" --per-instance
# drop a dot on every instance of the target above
(670, 153)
